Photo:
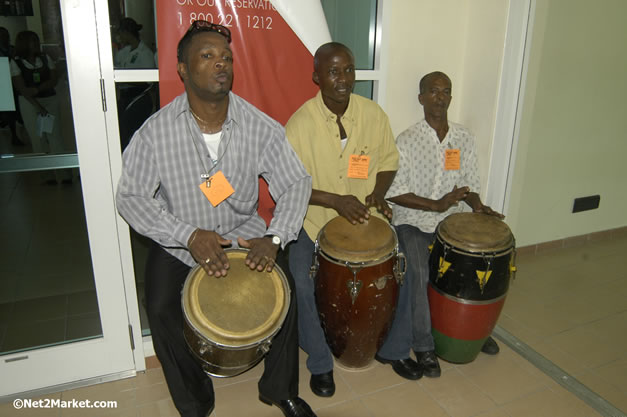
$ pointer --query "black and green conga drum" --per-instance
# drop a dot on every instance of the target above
(471, 262)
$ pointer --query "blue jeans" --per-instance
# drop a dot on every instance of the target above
(414, 243)
(310, 334)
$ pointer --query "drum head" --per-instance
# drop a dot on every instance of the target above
(240, 309)
(476, 232)
(374, 239)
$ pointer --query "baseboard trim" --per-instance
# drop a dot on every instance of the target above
(569, 242)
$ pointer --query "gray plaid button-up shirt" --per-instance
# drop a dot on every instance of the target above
(163, 166)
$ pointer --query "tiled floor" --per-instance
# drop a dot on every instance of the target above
(568, 304)
(500, 386)
(47, 291)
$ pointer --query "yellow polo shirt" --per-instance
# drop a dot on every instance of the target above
(313, 132)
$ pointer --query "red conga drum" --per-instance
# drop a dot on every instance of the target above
(471, 262)
(358, 270)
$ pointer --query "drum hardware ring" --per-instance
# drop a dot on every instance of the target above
(400, 267)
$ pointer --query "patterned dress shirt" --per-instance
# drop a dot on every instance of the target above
(422, 171)
(167, 160)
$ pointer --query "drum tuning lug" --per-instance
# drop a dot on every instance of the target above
(264, 347)
(512, 265)
(444, 264)
(203, 347)
(484, 276)
(400, 267)
(313, 270)
(354, 287)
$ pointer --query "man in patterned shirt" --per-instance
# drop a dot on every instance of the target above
(427, 189)
(174, 170)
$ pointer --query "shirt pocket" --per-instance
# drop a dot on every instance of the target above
(245, 196)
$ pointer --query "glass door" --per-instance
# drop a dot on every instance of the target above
(128, 51)
(63, 299)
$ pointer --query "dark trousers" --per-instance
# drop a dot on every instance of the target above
(191, 389)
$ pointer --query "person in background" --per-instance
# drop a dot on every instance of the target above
(6, 49)
(135, 101)
(427, 189)
(34, 77)
(9, 118)
(133, 52)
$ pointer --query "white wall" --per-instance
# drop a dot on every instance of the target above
(572, 141)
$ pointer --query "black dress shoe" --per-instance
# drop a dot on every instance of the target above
(295, 407)
(429, 363)
(210, 410)
(407, 368)
(490, 347)
(322, 384)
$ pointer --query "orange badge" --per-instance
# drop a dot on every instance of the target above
(451, 159)
(358, 166)
(216, 188)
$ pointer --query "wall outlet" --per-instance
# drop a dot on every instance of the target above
(586, 203)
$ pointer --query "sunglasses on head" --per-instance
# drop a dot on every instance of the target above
(203, 25)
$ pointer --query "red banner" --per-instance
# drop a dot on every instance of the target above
(272, 67)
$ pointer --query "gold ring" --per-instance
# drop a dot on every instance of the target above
(208, 260)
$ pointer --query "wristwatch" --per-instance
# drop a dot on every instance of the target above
(275, 239)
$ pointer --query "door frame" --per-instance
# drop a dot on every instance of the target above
(510, 103)
(110, 356)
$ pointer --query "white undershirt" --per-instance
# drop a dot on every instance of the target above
(213, 143)
(343, 142)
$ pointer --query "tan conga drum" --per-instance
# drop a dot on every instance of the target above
(358, 270)
(471, 263)
(230, 321)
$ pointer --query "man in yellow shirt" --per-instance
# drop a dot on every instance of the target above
(325, 132)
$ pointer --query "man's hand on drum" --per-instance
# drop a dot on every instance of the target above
(474, 201)
(262, 252)
(489, 211)
(378, 201)
(451, 199)
(206, 248)
(349, 207)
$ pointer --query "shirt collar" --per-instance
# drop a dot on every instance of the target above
(349, 114)
(234, 113)
(431, 131)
